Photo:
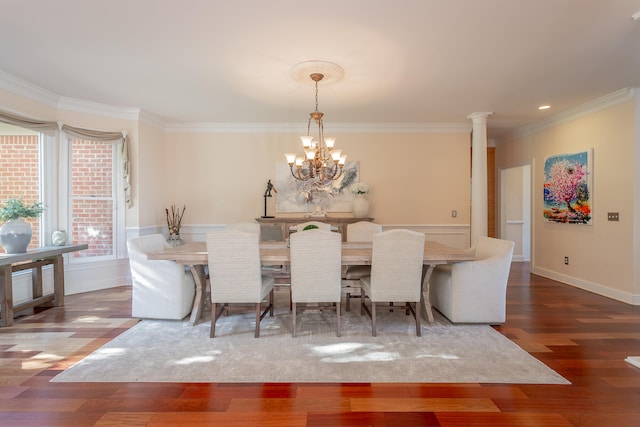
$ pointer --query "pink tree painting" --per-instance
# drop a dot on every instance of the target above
(567, 195)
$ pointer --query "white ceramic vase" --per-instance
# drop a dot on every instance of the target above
(59, 238)
(360, 206)
(15, 236)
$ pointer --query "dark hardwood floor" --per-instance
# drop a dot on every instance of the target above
(583, 336)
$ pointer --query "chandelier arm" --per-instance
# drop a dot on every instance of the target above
(299, 176)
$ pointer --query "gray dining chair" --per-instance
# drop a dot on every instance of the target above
(235, 274)
(361, 231)
(396, 273)
(316, 260)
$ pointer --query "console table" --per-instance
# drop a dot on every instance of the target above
(34, 260)
(277, 229)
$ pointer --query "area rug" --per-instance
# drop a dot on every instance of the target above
(174, 351)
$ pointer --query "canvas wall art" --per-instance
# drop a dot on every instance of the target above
(308, 196)
(568, 188)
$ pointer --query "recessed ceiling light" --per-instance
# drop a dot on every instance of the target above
(544, 107)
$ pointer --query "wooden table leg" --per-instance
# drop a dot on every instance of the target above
(198, 302)
(58, 281)
(6, 296)
(425, 300)
(36, 282)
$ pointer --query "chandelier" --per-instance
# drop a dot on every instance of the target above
(321, 160)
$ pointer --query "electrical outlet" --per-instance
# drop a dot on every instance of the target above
(566, 260)
(454, 214)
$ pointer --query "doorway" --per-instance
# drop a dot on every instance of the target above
(515, 210)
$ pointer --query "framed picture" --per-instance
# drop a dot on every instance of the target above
(568, 188)
(307, 196)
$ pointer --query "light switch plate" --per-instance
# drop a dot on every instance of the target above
(613, 216)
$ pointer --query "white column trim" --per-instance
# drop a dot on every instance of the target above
(479, 203)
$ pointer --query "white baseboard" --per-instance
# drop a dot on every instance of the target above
(86, 277)
(588, 286)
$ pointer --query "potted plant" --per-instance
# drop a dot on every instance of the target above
(15, 233)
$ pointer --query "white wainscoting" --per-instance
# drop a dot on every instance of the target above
(78, 278)
(457, 236)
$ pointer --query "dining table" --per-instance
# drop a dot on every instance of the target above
(194, 255)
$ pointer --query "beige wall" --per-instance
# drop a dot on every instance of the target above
(415, 179)
(150, 175)
(601, 255)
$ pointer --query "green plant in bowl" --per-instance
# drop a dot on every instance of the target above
(15, 208)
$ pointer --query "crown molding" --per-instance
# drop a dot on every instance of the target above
(104, 110)
(36, 93)
(611, 100)
(185, 127)
(152, 120)
(334, 128)
(24, 88)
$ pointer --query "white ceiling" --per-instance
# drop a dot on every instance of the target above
(405, 61)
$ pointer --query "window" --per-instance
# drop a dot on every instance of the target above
(93, 197)
(78, 182)
(20, 170)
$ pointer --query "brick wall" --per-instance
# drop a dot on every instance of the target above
(91, 181)
(19, 174)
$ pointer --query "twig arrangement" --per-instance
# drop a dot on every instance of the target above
(174, 219)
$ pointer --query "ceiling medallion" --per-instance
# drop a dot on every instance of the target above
(331, 72)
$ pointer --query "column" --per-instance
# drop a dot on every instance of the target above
(479, 207)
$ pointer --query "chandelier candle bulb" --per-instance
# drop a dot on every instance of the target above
(291, 157)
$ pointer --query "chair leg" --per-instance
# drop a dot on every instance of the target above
(258, 306)
(348, 307)
(293, 319)
(212, 332)
(271, 303)
(361, 302)
(338, 332)
(418, 328)
(373, 319)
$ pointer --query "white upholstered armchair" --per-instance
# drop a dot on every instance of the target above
(161, 289)
(474, 291)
